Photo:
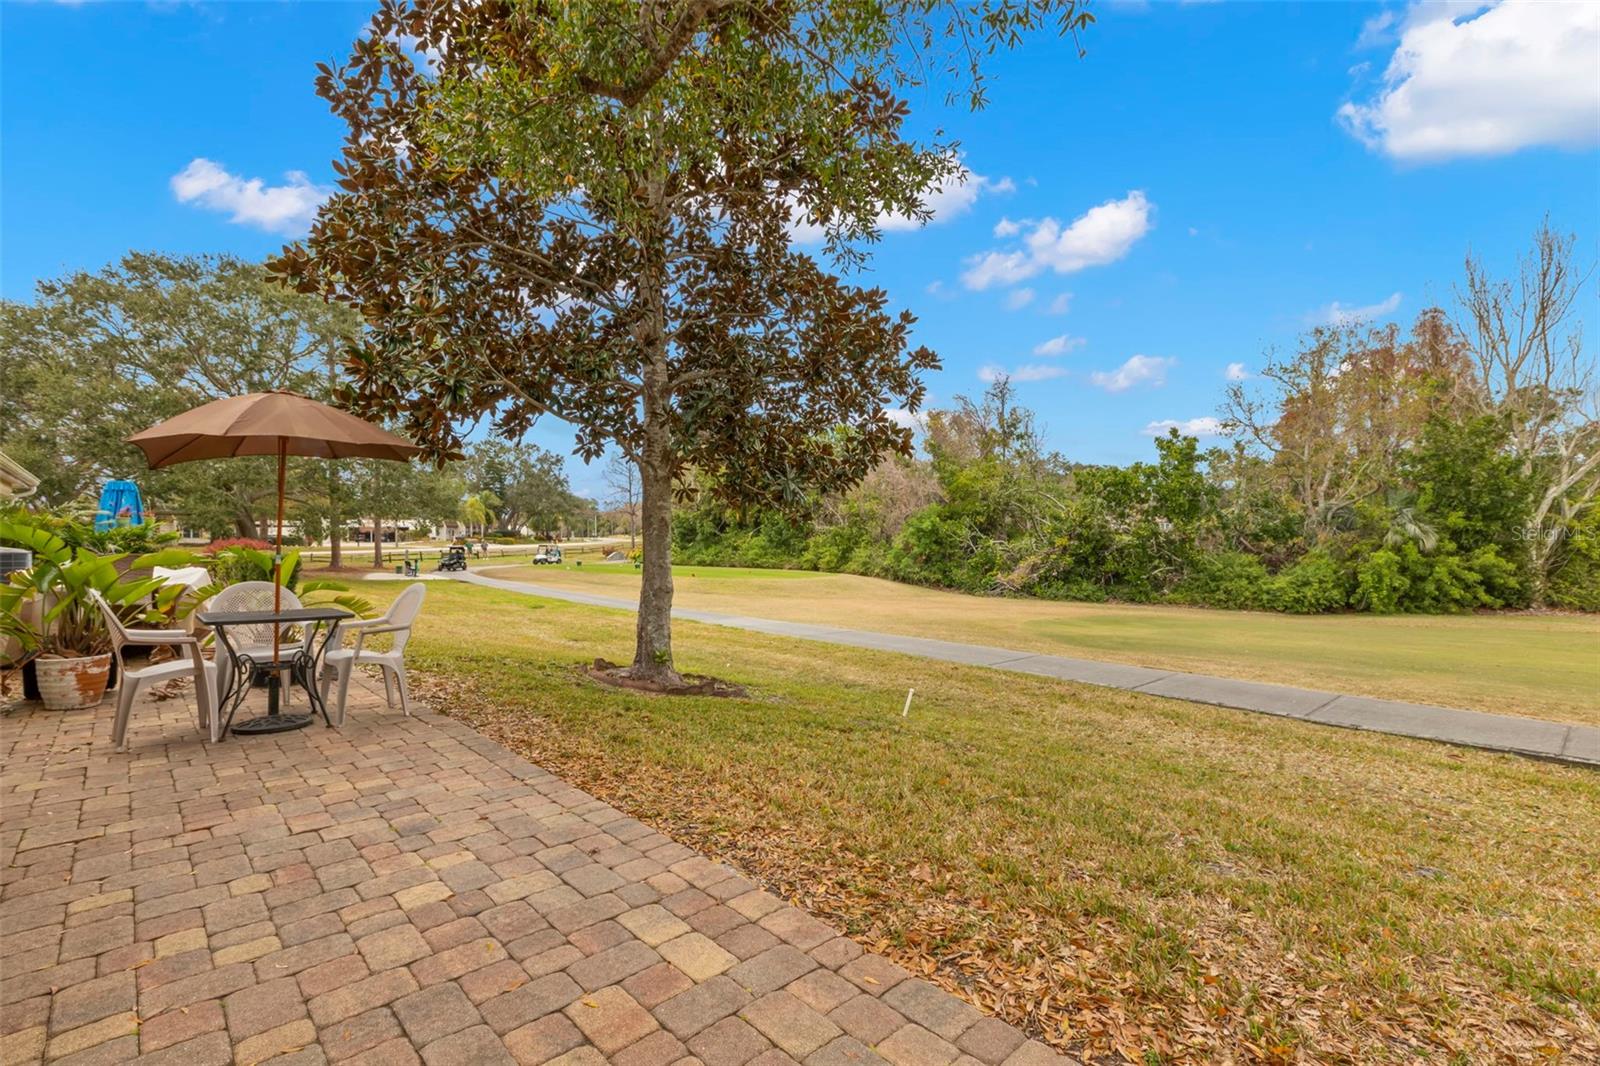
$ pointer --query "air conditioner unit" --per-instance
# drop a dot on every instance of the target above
(14, 559)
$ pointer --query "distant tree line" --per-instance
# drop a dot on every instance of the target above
(96, 356)
(1449, 468)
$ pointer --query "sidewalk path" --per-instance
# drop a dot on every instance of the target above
(1558, 741)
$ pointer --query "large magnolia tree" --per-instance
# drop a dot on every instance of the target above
(584, 210)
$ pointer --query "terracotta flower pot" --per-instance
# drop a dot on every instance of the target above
(67, 684)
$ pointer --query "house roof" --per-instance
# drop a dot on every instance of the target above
(15, 482)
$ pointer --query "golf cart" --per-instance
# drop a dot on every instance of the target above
(547, 553)
(454, 558)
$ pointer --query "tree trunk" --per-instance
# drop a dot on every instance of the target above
(335, 511)
(377, 543)
(652, 656)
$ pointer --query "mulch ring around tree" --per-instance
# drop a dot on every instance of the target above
(609, 673)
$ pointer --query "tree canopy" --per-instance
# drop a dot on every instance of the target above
(99, 355)
(1448, 467)
(584, 210)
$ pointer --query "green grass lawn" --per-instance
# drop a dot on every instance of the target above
(1538, 665)
(357, 559)
(1113, 871)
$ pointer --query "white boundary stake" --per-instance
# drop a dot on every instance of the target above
(906, 710)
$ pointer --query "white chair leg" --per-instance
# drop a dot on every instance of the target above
(127, 690)
(215, 725)
(346, 668)
(205, 701)
(388, 689)
(400, 683)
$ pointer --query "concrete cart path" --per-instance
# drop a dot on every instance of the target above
(1558, 741)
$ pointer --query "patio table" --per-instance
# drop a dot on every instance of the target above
(300, 662)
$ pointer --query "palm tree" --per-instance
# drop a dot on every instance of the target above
(1407, 526)
(474, 512)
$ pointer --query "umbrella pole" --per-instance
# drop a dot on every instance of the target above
(277, 576)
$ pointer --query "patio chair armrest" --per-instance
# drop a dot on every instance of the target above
(369, 631)
(156, 637)
(359, 623)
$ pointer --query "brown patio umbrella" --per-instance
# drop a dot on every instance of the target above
(268, 423)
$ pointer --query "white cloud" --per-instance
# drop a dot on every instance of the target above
(1138, 370)
(1337, 314)
(1007, 228)
(1059, 345)
(1018, 299)
(802, 230)
(429, 60)
(1103, 234)
(1379, 29)
(1479, 79)
(288, 209)
(1025, 372)
(916, 421)
(1236, 372)
(1061, 304)
(951, 197)
(997, 268)
(1204, 426)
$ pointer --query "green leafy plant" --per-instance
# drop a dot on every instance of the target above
(1381, 583)
(1313, 585)
(60, 581)
(240, 563)
(237, 564)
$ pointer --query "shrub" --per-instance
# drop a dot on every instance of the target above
(134, 539)
(1381, 583)
(224, 543)
(937, 546)
(1312, 585)
(1504, 580)
(837, 548)
(1071, 589)
(1575, 584)
(1224, 579)
(233, 565)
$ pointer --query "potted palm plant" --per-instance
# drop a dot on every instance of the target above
(62, 630)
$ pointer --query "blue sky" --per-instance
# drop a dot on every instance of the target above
(1206, 183)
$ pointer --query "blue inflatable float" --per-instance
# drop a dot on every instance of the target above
(120, 505)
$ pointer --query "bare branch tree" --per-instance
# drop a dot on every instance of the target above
(1527, 340)
(622, 478)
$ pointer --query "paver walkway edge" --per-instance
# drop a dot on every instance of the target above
(404, 891)
(1556, 741)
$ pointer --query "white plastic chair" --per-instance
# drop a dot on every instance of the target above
(254, 641)
(190, 578)
(340, 662)
(194, 664)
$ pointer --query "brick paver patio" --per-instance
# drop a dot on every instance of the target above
(401, 891)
